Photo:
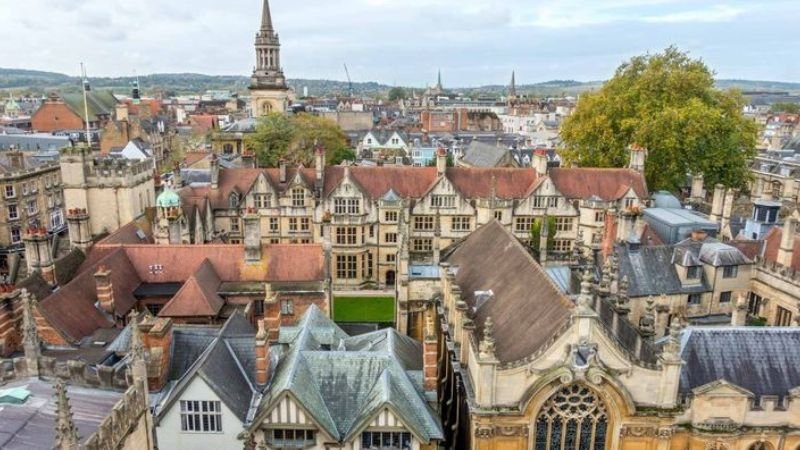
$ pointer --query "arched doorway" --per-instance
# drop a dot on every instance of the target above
(390, 278)
(574, 418)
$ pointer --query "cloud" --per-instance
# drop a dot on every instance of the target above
(473, 41)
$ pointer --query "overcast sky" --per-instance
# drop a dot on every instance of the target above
(402, 42)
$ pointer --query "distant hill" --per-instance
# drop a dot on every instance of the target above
(39, 82)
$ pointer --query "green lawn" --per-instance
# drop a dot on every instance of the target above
(363, 309)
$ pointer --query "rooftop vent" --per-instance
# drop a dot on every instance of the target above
(14, 396)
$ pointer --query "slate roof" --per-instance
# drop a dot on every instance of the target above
(225, 360)
(763, 360)
(479, 154)
(343, 382)
(650, 271)
(100, 103)
(526, 307)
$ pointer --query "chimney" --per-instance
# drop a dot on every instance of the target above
(699, 235)
(78, 226)
(248, 159)
(252, 236)
(638, 157)
(717, 203)
(177, 182)
(441, 161)
(262, 354)
(105, 290)
(157, 338)
(698, 192)
(539, 161)
(319, 159)
(282, 168)
(121, 112)
(786, 250)
(214, 172)
(727, 210)
(38, 253)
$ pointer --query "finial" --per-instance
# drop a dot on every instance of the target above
(487, 345)
(30, 334)
(672, 347)
(136, 349)
(585, 299)
(66, 431)
(647, 321)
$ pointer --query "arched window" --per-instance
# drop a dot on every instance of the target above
(760, 446)
(574, 418)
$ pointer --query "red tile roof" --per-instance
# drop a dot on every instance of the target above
(608, 184)
(198, 296)
(71, 310)
(773, 243)
(295, 263)
(750, 249)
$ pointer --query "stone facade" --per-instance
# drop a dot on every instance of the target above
(111, 192)
(268, 90)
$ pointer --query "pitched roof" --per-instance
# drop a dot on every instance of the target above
(479, 154)
(651, 271)
(198, 296)
(71, 309)
(608, 184)
(99, 103)
(223, 357)
(526, 306)
(763, 360)
(773, 243)
(343, 382)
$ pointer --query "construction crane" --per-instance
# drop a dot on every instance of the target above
(349, 81)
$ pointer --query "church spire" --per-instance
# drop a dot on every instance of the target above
(439, 81)
(266, 17)
(512, 90)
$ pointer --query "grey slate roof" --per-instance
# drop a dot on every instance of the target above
(479, 154)
(765, 361)
(343, 382)
(223, 357)
(650, 271)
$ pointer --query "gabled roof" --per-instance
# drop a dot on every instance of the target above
(526, 306)
(608, 184)
(100, 103)
(479, 154)
(343, 382)
(198, 296)
(226, 364)
(762, 360)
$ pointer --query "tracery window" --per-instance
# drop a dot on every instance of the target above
(572, 419)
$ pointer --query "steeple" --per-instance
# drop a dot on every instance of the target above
(512, 90)
(266, 17)
(439, 86)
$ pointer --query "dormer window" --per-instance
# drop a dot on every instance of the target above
(693, 273)
(233, 200)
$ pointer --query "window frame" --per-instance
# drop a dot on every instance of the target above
(730, 272)
(298, 196)
(346, 267)
(424, 223)
(461, 223)
(201, 416)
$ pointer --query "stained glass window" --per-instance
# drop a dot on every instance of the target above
(572, 419)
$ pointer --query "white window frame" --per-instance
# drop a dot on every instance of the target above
(201, 416)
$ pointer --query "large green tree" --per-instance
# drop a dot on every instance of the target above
(293, 139)
(666, 103)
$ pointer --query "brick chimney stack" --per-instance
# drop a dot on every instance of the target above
(539, 161)
(262, 354)
(105, 290)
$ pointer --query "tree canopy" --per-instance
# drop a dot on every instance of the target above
(293, 139)
(785, 107)
(666, 103)
(397, 93)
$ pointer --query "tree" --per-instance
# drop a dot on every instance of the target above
(666, 103)
(294, 139)
(397, 93)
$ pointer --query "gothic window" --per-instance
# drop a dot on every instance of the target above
(573, 418)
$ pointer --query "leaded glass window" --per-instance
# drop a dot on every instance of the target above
(572, 419)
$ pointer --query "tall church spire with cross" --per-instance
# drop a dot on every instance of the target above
(268, 90)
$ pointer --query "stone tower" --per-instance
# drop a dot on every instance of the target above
(268, 90)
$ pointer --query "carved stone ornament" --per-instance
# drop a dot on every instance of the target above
(489, 431)
(638, 431)
(582, 362)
